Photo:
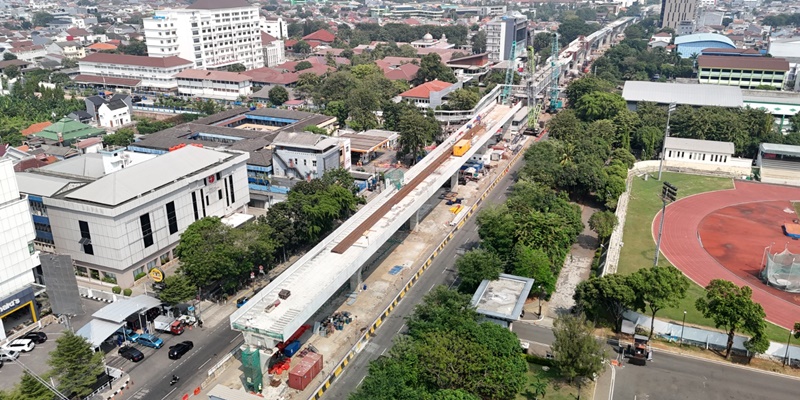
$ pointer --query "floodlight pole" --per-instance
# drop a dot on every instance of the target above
(664, 145)
(683, 326)
(788, 342)
(660, 228)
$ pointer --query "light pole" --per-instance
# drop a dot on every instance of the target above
(668, 194)
(683, 326)
(664, 145)
(788, 341)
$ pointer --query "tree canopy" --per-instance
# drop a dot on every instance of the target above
(657, 288)
(732, 309)
(606, 297)
(431, 67)
(278, 95)
(578, 354)
(121, 137)
(75, 365)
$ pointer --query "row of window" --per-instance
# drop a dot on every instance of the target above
(698, 156)
(144, 222)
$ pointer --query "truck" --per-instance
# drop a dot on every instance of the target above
(168, 324)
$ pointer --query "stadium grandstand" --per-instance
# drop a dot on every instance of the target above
(779, 163)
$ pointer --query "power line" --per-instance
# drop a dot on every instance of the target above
(42, 381)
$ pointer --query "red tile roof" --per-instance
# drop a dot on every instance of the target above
(266, 38)
(738, 62)
(212, 75)
(142, 61)
(101, 46)
(78, 32)
(321, 35)
(424, 90)
(35, 128)
(107, 80)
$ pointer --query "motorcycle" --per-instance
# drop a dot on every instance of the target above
(174, 380)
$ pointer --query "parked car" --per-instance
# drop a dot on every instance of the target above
(37, 337)
(23, 345)
(127, 334)
(8, 355)
(241, 301)
(150, 341)
(175, 352)
(131, 353)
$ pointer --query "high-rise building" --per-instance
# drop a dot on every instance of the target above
(212, 33)
(274, 26)
(673, 12)
(501, 32)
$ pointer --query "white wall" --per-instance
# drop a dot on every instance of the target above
(17, 262)
(113, 118)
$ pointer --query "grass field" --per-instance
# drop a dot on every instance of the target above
(557, 388)
(639, 248)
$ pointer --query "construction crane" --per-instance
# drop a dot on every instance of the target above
(534, 107)
(555, 73)
(506, 93)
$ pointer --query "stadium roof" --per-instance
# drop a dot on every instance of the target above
(683, 93)
(785, 149)
(703, 37)
(708, 146)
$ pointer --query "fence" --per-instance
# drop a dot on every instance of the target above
(165, 110)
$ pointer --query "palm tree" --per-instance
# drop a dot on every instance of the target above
(537, 390)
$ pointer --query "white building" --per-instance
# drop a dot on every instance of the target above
(274, 26)
(118, 224)
(501, 32)
(304, 155)
(698, 151)
(217, 85)
(211, 33)
(274, 51)
(153, 72)
(113, 114)
(19, 257)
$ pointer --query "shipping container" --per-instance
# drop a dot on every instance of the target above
(291, 348)
(461, 147)
(301, 375)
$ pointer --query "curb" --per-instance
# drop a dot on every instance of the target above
(730, 364)
(118, 391)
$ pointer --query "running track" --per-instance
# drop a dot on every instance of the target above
(680, 244)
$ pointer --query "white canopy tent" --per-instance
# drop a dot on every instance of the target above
(97, 331)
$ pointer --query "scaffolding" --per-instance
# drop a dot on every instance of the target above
(251, 366)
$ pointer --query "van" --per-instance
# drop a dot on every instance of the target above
(8, 355)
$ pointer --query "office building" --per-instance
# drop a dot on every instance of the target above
(673, 12)
(501, 32)
(745, 72)
(122, 70)
(216, 85)
(213, 34)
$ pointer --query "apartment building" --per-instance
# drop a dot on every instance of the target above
(213, 34)
(673, 12)
(273, 25)
(501, 32)
(274, 51)
(745, 72)
(154, 73)
(217, 85)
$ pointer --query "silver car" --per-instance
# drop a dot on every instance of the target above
(8, 355)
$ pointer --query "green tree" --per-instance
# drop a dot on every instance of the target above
(416, 131)
(732, 308)
(206, 252)
(794, 120)
(178, 288)
(301, 47)
(11, 71)
(586, 85)
(648, 139)
(315, 129)
(657, 288)
(278, 95)
(477, 265)
(29, 388)
(134, 48)
(566, 126)
(431, 68)
(41, 18)
(571, 28)
(67, 62)
(462, 99)
(338, 109)
(541, 41)
(497, 229)
(479, 42)
(533, 263)
(306, 84)
(599, 105)
(537, 389)
(578, 354)
(7, 56)
(608, 296)
(75, 365)
(302, 65)
(238, 67)
(603, 223)
(442, 309)
(121, 137)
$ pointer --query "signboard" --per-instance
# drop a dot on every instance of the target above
(156, 275)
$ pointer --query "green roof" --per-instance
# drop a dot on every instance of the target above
(68, 130)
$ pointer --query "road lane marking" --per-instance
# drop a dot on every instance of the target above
(613, 380)
(359, 382)
(201, 366)
(170, 392)
(401, 328)
(234, 338)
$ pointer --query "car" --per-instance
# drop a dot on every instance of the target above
(37, 337)
(150, 341)
(127, 334)
(23, 345)
(175, 352)
(241, 301)
(131, 353)
(8, 355)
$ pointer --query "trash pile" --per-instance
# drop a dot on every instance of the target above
(335, 322)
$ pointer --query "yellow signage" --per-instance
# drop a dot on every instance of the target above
(156, 274)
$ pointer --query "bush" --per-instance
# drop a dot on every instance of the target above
(534, 359)
(116, 289)
(140, 275)
(127, 292)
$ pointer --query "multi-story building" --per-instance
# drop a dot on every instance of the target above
(304, 155)
(430, 94)
(501, 32)
(673, 12)
(273, 25)
(119, 224)
(19, 256)
(154, 73)
(212, 33)
(217, 85)
(745, 72)
(69, 49)
(274, 51)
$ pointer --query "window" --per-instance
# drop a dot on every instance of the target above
(86, 238)
(219, 194)
(172, 219)
(230, 183)
(147, 231)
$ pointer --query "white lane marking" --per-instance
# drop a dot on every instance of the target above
(170, 392)
(201, 366)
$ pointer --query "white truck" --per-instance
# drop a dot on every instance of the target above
(165, 323)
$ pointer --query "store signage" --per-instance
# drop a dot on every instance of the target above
(11, 304)
(156, 275)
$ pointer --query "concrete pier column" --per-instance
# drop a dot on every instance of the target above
(355, 281)
(413, 222)
(454, 181)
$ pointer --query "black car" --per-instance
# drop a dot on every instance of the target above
(131, 353)
(175, 352)
(37, 337)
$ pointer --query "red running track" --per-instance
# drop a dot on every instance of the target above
(682, 244)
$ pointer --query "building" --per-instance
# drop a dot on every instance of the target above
(779, 164)
(685, 28)
(110, 112)
(399, 68)
(501, 32)
(66, 132)
(273, 25)
(119, 224)
(663, 93)
(788, 48)
(470, 67)
(501, 301)
(29, 53)
(273, 48)
(69, 49)
(304, 155)
(689, 45)
(153, 73)
(745, 72)
(321, 36)
(702, 151)
(782, 105)
(217, 85)
(213, 34)
(429, 94)
(428, 42)
(673, 12)
(19, 256)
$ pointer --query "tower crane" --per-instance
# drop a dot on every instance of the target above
(555, 74)
(534, 107)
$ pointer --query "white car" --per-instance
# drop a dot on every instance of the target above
(8, 355)
(23, 345)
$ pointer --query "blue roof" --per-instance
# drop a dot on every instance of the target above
(703, 37)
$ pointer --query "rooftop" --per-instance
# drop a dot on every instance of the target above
(220, 76)
(682, 93)
(502, 298)
(784, 149)
(218, 4)
(424, 90)
(703, 37)
(67, 129)
(141, 61)
(708, 146)
(750, 63)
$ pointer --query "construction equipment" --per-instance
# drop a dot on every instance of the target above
(510, 71)
(555, 74)
(534, 107)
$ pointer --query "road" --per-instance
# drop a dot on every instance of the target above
(441, 272)
(672, 376)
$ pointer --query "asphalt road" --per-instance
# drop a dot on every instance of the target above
(441, 272)
(673, 377)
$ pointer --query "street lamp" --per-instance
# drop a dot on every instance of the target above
(666, 135)
(683, 326)
(788, 341)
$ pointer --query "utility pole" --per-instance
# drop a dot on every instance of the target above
(668, 194)
(664, 145)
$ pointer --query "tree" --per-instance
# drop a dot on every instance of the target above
(537, 389)
(479, 42)
(541, 41)
(315, 130)
(41, 18)
(732, 308)
(11, 71)
(134, 48)
(431, 68)
(177, 289)
(301, 47)
(206, 252)
(571, 28)
(278, 95)
(338, 109)
(416, 131)
(121, 137)
(462, 99)
(238, 67)
(497, 228)
(67, 62)
(442, 309)
(657, 288)
(578, 354)
(599, 105)
(302, 65)
(75, 365)
(583, 86)
(475, 266)
(29, 388)
(7, 56)
(566, 126)
(603, 223)
(608, 296)
(533, 263)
